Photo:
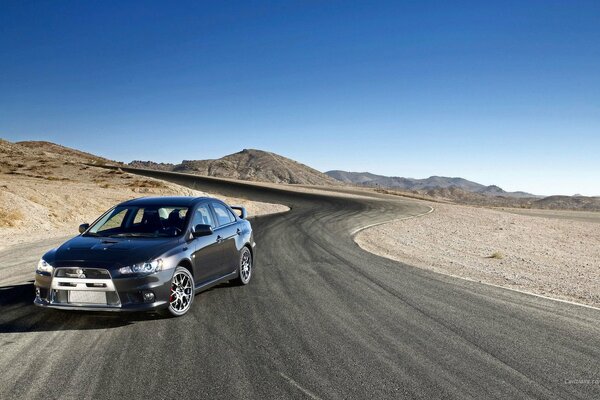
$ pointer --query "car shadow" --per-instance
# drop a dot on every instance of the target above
(18, 314)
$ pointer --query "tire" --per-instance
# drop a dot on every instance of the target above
(244, 267)
(182, 293)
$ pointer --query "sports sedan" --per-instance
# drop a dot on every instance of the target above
(152, 253)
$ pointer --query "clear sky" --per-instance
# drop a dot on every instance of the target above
(504, 93)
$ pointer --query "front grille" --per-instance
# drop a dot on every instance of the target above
(83, 286)
(82, 273)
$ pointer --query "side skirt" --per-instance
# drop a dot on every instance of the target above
(206, 285)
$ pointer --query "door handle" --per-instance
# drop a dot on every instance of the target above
(239, 232)
(219, 239)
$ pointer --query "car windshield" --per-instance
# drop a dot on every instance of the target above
(141, 221)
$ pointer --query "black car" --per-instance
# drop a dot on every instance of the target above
(148, 254)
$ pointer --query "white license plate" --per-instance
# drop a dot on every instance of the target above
(87, 297)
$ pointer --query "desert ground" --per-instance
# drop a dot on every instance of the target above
(551, 253)
(47, 191)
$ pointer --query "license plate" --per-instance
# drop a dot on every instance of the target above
(87, 297)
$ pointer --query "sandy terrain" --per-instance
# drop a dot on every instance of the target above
(46, 194)
(556, 257)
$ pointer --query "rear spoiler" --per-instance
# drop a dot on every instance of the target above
(242, 210)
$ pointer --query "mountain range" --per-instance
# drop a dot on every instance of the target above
(58, 163)
(411, 184)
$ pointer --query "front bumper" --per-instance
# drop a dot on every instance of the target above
(102, 292)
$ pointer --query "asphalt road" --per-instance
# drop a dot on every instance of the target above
(322, 319)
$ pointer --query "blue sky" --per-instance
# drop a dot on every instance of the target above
(504, 93)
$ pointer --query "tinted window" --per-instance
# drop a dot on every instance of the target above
(152, 221)
(167, 217)
(203, 216)
(113, 221)
(224, 216)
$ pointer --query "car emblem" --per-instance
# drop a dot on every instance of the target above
(80, 273)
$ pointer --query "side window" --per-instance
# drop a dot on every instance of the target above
(138, 216)
(203, 216)
(224, 216)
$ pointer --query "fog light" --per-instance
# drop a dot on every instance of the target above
(148, 296)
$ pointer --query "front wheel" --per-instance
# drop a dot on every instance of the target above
(181, 296)
(245, 267)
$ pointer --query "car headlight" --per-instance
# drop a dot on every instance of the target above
(143, 268)
(44, 266)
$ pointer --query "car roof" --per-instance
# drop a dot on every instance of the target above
(177, 201)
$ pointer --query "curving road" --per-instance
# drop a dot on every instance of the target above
(322, 319)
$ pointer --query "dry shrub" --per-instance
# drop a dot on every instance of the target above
(54, 178)
(497, 255)
(147, 184)
(10, 218)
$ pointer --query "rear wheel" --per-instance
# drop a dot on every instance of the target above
(245, 267)
(181, 296)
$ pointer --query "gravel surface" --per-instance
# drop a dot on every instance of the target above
(558, 258)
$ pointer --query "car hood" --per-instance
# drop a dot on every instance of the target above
(108, 252)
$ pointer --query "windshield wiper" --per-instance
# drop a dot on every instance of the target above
(131, 235)
(117, 235)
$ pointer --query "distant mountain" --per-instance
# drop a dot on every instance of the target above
(456, 195)
(568, 203)
(411, 184)
(152, 165)
(44, 162)
(248, 164)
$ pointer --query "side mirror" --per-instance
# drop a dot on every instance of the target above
(83, 227)
(202, 230)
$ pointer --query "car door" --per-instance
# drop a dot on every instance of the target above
(226, 234)
(207, 258)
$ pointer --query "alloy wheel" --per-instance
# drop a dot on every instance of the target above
(246, 266)
(182, 292)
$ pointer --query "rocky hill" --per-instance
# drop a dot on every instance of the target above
(56, 150)
(152, 165)
(576, 202)
(248, 164)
